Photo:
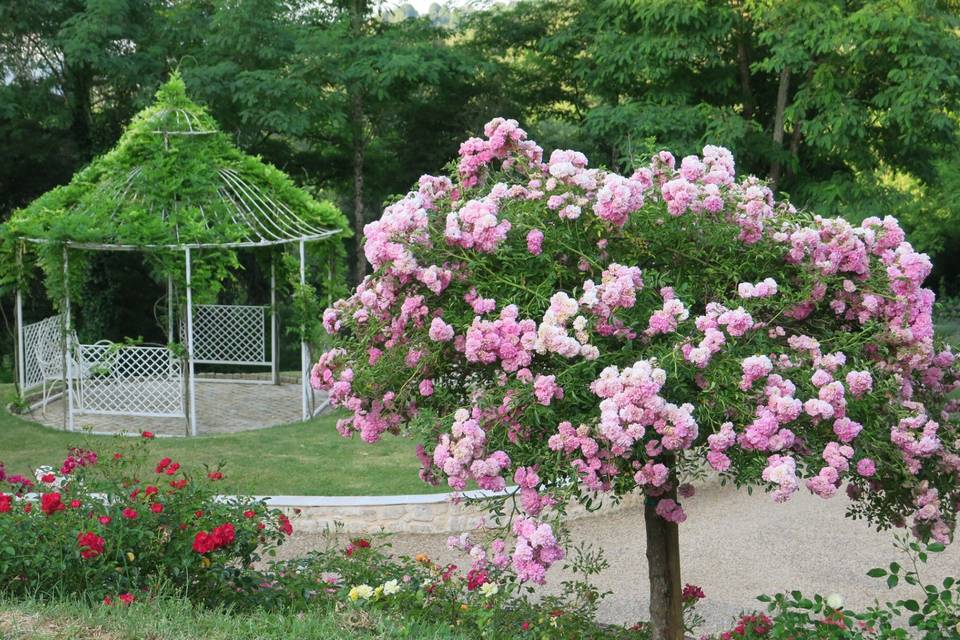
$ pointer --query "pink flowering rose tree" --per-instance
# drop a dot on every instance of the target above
(572, 332)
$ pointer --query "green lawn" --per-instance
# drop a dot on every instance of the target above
(177, 620)
(308, 458)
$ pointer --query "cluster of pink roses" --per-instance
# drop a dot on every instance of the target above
(771, 369)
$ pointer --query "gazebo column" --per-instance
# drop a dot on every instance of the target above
(304, 352)
(190, 366)
(171, 336)
(18, 312)
(274, 329)
(67, 339)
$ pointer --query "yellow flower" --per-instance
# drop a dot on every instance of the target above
(130, 556)
(488, 589)
(422, 558)
(361, 591)
(205, 562)
(464, 607)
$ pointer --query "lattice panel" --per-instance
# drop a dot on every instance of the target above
(134, 380)
(46, 333)
(228, 334)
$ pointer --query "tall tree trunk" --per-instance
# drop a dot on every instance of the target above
(798, 131)
(663, 568)
(358, 10)
(782, 91)
(743, 62)
(795, 147)
(359, 149)
(78, 94)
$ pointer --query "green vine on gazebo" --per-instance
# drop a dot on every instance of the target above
(173, 180)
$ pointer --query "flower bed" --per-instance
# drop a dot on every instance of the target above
(115, 526)
(132, 527)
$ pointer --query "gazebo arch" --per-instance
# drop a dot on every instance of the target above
(177, 191)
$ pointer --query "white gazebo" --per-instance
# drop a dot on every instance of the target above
(177, 191)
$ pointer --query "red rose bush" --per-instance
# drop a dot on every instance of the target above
(113, 528)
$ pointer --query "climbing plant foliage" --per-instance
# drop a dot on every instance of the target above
(159, 188)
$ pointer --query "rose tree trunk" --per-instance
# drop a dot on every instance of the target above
(663, 566)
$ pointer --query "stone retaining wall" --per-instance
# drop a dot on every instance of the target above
(425, 513)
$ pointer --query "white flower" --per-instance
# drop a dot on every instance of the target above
(835, 601)
(488, 589)
(390, 587)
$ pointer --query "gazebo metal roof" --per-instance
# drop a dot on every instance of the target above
(175, 181)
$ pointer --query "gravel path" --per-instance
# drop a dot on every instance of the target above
(733, 545)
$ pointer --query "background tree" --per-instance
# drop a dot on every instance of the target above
(847, 106)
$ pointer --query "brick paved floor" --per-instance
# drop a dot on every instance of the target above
(222, 407)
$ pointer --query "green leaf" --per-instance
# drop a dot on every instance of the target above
(892, 581)
(910, 605)
(877, 572)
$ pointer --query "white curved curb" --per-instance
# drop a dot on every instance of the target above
(416, 513)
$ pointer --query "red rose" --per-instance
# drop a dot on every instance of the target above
(107, 601)
(249, 514)
(27, 508)
(91, 545)
(50, 503)
(156, 507)
(525, 625)
(151, 490)
(203, 542)
(117, 456)
(162, 465)
(104, 519)
(215, 475)
(476, 578)
(172, 469)
(47, 478)
(134, 494)
(148, 435)
(285, 525)
(129, 513)
(692, 593)
(128, 598)
(198, 514)
(5, 503)
(178, 484)
(74, 504)
(363, 543)
(223, 535)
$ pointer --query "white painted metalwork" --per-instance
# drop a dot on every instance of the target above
(274, 324)
(304, 349)
(229, 334)
(68, 362)
(192, 380)
(130, 380)
(40, 339)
